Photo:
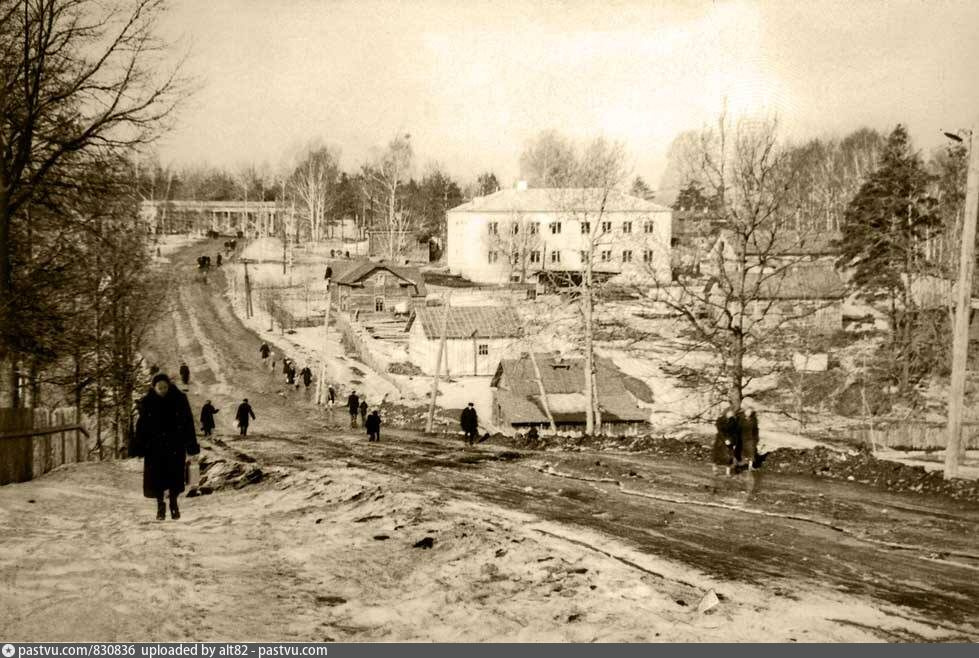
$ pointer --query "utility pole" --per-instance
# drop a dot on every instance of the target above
(248, 292)
(430, 425)
(326, 337)
(960, 333)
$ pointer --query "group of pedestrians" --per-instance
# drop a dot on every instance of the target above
(736, 441)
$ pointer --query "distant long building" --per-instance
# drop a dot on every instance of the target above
(228, 217)
(549, 234)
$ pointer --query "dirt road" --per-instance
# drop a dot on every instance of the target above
(524, 545)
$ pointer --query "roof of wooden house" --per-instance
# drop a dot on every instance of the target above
(467, 322)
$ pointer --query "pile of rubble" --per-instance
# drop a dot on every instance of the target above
(863, 467)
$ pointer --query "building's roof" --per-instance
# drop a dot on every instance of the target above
(359, 270)
(558, 200)
(468, 322)
(815, 280)
(794, 243)
(564, 382)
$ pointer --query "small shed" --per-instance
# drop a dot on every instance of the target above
(517, 402)
(477, 337)
(377, 287)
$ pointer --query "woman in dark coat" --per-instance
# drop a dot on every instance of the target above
(373, 425)
(749, 438)
(207, 418)
(723, 452)
(164, 437)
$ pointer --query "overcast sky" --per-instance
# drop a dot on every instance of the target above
(472, 81)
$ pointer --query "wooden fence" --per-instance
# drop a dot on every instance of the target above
(35, 441)
(916, 436)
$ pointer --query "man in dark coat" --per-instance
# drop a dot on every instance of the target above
(291, 374)
(184, 374)
(219, 260)
(373, 425)
(749, 437)
(264, 350)
(723, 452)
(242, 415)
(329, 273)
(363, 412)
(469, 421)
(307, 376)
(207, 418)
(353, 406)
(331, 395)
(164, 437)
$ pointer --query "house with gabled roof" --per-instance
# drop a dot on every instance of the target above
(376, 287)
(518, 404)
(476, 338)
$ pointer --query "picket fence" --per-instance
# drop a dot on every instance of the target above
(35, 441)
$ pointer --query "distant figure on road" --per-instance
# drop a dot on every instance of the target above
(219, 260)
(242, 416)
(264, 351)
(207, 418)
(469, 421)
(353, 406)
(307, 376)
(363, 412)
(749, 437)
(331, 395)
(723, 452)
(164, 437)
(291, 373)
(373, 425)
(184, 373)
(329, 273)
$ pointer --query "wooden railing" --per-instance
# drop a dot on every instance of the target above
(27, 452)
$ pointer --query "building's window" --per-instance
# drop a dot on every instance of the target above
(494, 228)
(627, 256)
(584, 256)
(515, 229)
(535, 257)
(648, 227)
(534, 228)
(378, 303)
(606, 227)
(379, 280)
(674, 242)
(555, 256)
(483, 349)
(627, 227)
(555, 228)
(515, 258)
(647, 256)
(493, 256)
(585, 228)
(606, 256)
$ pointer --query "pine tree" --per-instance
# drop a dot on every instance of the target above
(884, 235)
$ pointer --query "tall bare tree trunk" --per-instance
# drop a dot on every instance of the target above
(543, 392)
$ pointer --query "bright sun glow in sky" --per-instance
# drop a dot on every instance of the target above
(472, 81)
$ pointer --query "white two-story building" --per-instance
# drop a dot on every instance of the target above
(529, 234)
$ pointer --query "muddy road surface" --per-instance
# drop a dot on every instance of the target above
(783, 534)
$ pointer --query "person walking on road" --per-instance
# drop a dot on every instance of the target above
(242, 416)
(353, 406)
(331, 395)
(164, 437)
(723, 451)
(264, 351)
(469, 421)
(373, 425)
(184, 373)
(291, 374)
(363, 413)
(749, 437)
(207, 418)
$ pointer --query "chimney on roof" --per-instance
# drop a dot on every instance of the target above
(521, 186)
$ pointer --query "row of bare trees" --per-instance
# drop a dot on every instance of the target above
(84, 85)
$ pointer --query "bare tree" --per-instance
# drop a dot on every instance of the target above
(549, 160)
(314, 181)
(78, 79)
(385, 178)
(736, 315)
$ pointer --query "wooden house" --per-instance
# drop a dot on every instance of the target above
(477, 337)
(369, 287)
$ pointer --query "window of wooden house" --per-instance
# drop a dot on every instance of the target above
(483, 349)
(378, 303)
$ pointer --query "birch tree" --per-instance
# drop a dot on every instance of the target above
(385, 179)
(314, 181)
